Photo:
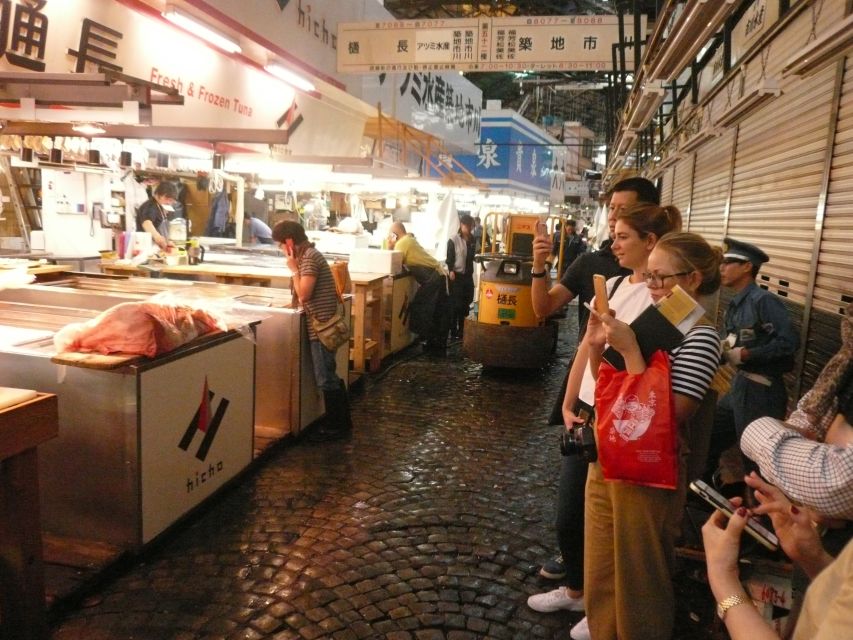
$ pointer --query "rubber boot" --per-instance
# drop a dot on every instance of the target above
(337, 423)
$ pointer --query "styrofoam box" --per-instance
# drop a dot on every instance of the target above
(375, 261)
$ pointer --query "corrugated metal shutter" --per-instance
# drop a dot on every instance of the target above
(777, 181)
(834, 283)
(711, 188)
(666, 180)
(682, 184)
(834, 279)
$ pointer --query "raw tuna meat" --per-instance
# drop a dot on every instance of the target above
(142, 328)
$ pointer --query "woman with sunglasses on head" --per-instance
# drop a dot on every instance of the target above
(631, 529)
(637, 231)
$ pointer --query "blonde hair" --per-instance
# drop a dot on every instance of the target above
(695, 254)
(647, 218)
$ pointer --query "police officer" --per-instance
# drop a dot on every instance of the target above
(758, 341)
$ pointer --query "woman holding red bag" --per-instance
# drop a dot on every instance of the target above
(638, 228)
(631, 528)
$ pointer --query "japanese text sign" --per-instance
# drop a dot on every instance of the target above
(481, 44)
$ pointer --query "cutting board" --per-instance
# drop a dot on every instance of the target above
(94, 360)
(10, 396)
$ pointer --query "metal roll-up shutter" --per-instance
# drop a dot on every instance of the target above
(666, 186)
(778, 174)
(833, 288)
(834, 282)
(711, 188)
(682, 184)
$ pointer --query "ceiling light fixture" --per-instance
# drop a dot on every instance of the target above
(696, 24)
(200, 29)
(750, 102)
(645, 106)
(826, 48)
(699, 138)
(626, 144)
(88, 129)
(289, 77)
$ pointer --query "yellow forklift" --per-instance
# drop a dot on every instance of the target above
(505, 331)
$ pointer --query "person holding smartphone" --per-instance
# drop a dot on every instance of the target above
(314, 285)
(630, 529)
(637, 229)
(827, 611)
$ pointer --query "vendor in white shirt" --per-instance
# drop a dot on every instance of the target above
(153, 217)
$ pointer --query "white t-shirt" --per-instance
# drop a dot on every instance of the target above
(629, 301)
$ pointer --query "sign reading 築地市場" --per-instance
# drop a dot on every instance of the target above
(85, 35)
(540, 43)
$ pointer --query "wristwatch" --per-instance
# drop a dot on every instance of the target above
(538, 274)
(727, 603)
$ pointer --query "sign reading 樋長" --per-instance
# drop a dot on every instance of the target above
(481, 44)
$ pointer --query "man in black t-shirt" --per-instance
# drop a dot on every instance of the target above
(577, 281)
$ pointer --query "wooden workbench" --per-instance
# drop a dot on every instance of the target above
(22, 428)
(221, 273)
(368, 334)
(49, 272)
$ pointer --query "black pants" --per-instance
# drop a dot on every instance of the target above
(569, 523)
(461, 295)
(746, 401)
(429, 312)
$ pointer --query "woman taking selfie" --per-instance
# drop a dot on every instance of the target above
(630, 527)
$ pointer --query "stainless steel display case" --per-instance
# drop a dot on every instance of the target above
(135, 452)
(286, 395)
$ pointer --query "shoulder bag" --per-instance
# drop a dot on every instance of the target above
(334, 332)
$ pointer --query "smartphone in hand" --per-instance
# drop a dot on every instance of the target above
(542, 228)
(718, 501)
(289, 244)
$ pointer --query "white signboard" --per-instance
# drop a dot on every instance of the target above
(486, 44)
(197, 423)
(219, 90)
(757, 19)
(445, 105)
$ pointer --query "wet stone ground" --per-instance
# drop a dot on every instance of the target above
(430, 523)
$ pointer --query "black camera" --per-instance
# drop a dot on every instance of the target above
(579, 440)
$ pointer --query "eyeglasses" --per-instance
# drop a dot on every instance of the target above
(656, 279)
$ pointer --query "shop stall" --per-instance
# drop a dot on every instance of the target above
(141, 441)
(286, 396)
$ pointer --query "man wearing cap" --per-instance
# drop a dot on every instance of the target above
(759, 341)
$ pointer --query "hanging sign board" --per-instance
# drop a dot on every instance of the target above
(532, 43)
(445, 105)
(756, 20)
(88, 35)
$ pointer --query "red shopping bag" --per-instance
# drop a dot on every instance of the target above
(635, 428)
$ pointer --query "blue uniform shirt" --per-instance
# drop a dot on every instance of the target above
(761, 324)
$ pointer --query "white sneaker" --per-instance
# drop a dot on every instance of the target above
(554, 601)
(580, 631)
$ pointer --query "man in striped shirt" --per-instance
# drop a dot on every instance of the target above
(313, 283)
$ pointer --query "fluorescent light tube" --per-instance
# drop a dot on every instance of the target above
(750, 102)
(827, 47)
(289, 77)
(198, 28)
(626, 144)
(645, 105)
(698, 22)
(88, 129)
(699, 138)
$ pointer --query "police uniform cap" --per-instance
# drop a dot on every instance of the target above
(743, 252)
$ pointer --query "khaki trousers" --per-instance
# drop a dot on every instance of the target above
(629, 540)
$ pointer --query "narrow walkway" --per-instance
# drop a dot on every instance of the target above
(429, 524)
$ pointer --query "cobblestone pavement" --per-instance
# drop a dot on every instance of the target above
(430, 523)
